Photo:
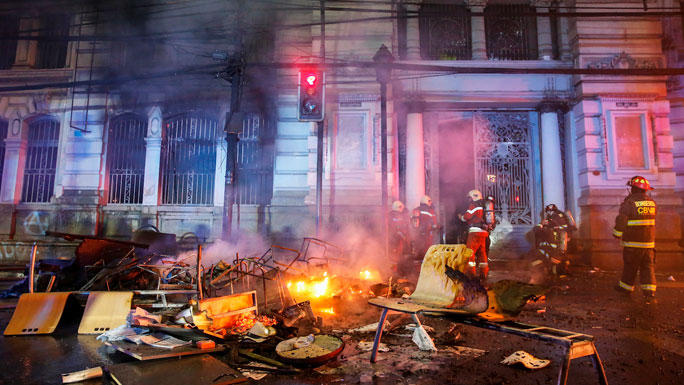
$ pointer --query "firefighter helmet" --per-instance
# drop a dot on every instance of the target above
(475, 195)
(551, 207)
(426, 200)
(640, 182)
(397, 206)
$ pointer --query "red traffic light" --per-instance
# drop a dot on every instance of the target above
(311, 79)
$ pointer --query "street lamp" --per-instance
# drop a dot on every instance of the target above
(383, 73)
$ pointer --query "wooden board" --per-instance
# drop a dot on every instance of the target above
(225, 311)
(37, 313)
(146, 352)
(105, 310)
(198, 370)
(406, 305)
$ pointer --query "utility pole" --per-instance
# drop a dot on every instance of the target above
(383, 74)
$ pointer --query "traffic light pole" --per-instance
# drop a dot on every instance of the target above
(319, 141)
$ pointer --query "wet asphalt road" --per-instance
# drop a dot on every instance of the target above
(638, 344)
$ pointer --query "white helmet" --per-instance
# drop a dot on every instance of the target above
(475, 195)
(426, 200)
(397, 206)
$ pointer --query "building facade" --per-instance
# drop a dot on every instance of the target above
(106, 158)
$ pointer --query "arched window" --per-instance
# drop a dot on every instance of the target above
(41, 160)
(126, 159)
(3, 135)
(188, 160)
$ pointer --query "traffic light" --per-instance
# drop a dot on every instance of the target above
(311, 95)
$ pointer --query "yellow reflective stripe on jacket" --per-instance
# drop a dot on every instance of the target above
(626, 286)
(648, 287)
(617, 233)
(641, 245)
(641, 222)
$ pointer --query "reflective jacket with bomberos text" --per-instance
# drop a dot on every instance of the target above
(635, 223)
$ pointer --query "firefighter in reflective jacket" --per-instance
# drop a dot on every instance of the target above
(551, 238)
(424, 222)
(477, 235)
(635, 227)
(398, 234)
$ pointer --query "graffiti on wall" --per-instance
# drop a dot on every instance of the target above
(36, 223)
(16, 251)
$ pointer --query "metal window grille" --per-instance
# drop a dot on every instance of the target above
(511, 32)
(255, 161)
(126, 159)
(9, 26)
(52, 52)
(445, 32)
(3, 135)
(188, 160)
(503, 163)
(41, 160)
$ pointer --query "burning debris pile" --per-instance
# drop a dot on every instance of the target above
(268, 313)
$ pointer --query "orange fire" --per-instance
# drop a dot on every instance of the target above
(314, 288)
(366, 274)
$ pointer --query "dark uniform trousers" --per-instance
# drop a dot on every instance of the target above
(639, 260)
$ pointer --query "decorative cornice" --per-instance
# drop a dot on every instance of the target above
(358, 98)
(628, 97)
(623, 60)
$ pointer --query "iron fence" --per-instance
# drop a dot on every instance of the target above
(126, 159)
(41, 160)
(188, 160)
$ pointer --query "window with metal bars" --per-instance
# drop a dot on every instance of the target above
(41, 160)
(3, 134)
(445, 32)
(9, 26)
(126, 159)
(511, 32)
(255, 161)
(188, 160)
(53, 45)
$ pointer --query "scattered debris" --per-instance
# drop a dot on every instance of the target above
(671, 278)
(82, 375)
(200, 370)
(465, 351)
(367, 346)
(423, 340)
(371, 328)
(526, 359)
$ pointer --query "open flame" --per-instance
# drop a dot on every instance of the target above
(314, 288)
(366, 274)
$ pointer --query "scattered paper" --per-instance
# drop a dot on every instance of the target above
(159, 340)
(120, 333)
(368, 346)
(142, 317)
(528, 360)
(412, 327)
(465, 351)
(255, 374)
(423, 340)
(369, 328)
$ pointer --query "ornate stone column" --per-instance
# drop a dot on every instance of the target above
(412, 32)
(477, 26)
(415, 155)
(553, 188)
(543, 29)
(152, 157)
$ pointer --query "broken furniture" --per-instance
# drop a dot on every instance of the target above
(577, 345)
(437, 292)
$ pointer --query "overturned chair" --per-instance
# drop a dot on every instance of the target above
(442, 290)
